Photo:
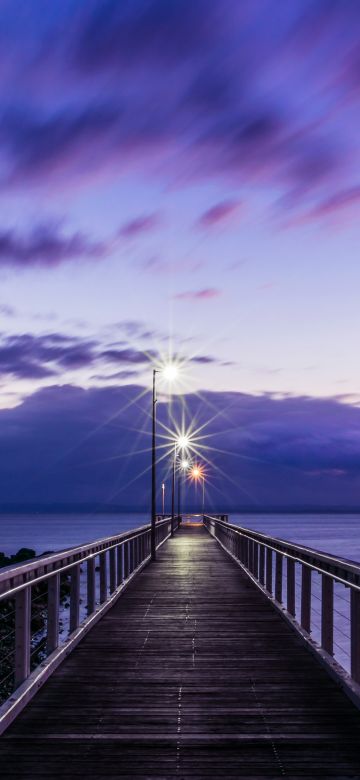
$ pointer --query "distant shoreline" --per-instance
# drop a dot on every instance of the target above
(106, 510)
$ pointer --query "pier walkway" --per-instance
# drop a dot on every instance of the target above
(191, 674)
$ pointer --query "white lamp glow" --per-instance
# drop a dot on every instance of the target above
(170, 372)
(183, 442)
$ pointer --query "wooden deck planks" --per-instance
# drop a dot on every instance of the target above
(192, 674)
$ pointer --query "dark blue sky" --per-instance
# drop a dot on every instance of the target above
(180, 178)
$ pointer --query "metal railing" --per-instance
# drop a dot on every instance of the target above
(49, 603)
(318, 593)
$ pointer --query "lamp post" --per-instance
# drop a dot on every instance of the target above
(153, 471)
(184, 465)
(173, 494)
(163, 497)
(170, 372)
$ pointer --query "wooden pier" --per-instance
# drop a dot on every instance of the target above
(191, 674)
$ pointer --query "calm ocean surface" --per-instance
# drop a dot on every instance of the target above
(337, 534)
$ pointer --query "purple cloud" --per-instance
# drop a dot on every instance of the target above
(128, 355)
(218, 214)
(139, 225)
(46, 247)
(160, 33)
(196, 83)
(28, 356)
(343, 202)
(198, 295)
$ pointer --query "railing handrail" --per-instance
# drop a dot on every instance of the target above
(20, 571)
(110, 565)
(263, 556)
(302, 554)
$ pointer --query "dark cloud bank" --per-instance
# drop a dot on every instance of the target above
(67, 445)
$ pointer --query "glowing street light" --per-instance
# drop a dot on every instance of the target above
(183, 442)
(170, 372)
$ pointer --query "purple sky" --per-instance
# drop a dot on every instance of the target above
(182, 176)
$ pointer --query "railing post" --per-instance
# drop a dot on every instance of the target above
(327, 614)
(22, 635)
(103, 577)
(91, 597)
(119, 578)
(355, 634)
(112, 562)
(256, 560)
(262, 564)
(306, 598)
(269, 576)
(131, 556)
(52, 639)
(251, 555)
(290, 586)
(278, 577)
(74, 597)
(126, 560)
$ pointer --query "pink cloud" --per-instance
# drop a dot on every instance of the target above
(334, 206)
(198, 295)
(139, 225)
(218, 214)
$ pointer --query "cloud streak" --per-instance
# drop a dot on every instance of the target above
(207, 293)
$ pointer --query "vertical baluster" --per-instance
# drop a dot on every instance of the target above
(126, 560)
(262, 564)
(290, 586)
(112, 562)
(91, 595)
(74, 597)
(269, 577)
(256, 560)
(103, 577)
(278, 577)
(119, 556)
(243, 550)
(355, 634)
(237, 547)
(306, 598)
(327, 613)
(22, 635)
(52, 639)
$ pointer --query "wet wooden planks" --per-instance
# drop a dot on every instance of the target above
(192, 674)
